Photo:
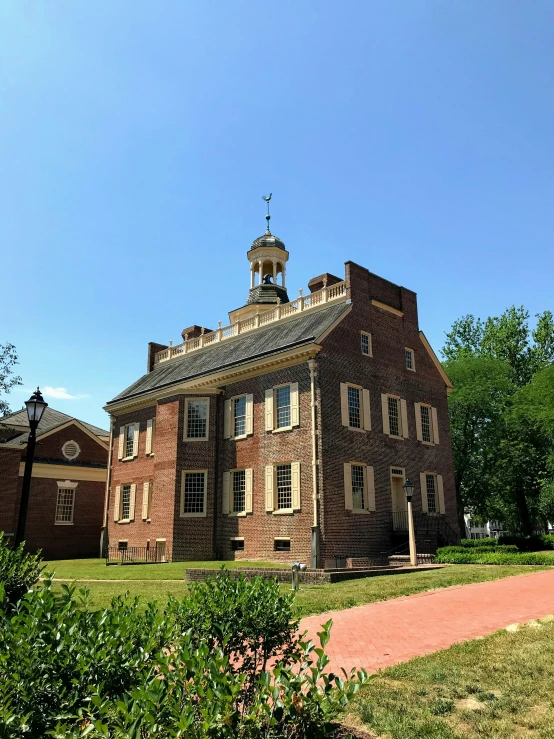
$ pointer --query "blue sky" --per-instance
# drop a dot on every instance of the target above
(136, 139)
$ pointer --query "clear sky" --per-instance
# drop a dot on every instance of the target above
(415, 137)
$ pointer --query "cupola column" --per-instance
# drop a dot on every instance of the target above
(274, 271)
(283, 267)
(261, 271)
(252, 275)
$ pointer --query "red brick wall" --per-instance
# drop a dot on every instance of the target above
(9, 500)
(50, 448)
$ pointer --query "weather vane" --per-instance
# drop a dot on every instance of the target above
(267, 198)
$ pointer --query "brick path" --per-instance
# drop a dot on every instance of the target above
(382, 634)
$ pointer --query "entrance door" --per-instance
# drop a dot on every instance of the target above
(399, 502)
(160, 550)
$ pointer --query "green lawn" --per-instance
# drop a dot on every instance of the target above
(499, 687)
(312, 599)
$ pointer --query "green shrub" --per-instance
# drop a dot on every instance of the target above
(478, 543)
(69, 671)
(506, 548)
(493, 557)
(19, 571)
(533, 543)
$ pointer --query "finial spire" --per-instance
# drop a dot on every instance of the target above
(267, 198)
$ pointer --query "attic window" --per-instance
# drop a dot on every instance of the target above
(71, 450)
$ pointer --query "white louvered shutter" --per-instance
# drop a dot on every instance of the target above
(370, 485)
(419, 431)
(344, 404)
(250, 414)
(149, 436)
(226, 492)
(145, 500)
(440, 493)
(269, 410)
(227, 419)
(294, 405)
(121, 442)
(249, 479)
(348, 486)
(385, 412)
(404, 414)
(136, 431)
(295, 485)
(116, 503)
(367, 410)
(269, 499)
(423, 484)
(132, 502)
(435, 426)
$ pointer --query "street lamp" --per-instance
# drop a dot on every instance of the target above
(36, 406)
(409, 491)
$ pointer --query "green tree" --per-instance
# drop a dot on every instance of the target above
(8, 359)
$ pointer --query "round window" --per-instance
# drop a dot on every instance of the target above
(71, 450)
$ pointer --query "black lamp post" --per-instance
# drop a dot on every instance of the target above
(408, 488)
(36, 406)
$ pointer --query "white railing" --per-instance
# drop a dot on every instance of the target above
(329, 294)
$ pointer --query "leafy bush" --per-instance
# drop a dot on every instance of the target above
(69, 671)
(478, 543)
(505, 548)
(494, 557)
(19, 571)
(533, 543)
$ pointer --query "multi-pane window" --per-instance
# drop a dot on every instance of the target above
(431, 493)
(365, 340)
(194, 488)
(426, 433)
(284, 486)
(64, 505)
(125, 502)
(197, 419)
(282, 406)
(237, 545)
(239, 491)
(394, 416)
(129, 439)
(354, 405)
(410, 363)
(281, 545)
(358, 487)
(240, 416)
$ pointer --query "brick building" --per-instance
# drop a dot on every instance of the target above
(68, 485)
(288, 434)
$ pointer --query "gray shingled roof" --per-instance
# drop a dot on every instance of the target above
(50, 420)
(271, 339)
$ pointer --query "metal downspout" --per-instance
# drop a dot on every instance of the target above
(314, 563)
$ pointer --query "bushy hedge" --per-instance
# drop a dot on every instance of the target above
(490, 557)
(479, 543)
(533, 543)
(128, 671)
(19, 571)
(501, 548)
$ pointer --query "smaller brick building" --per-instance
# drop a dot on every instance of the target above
(66, 500)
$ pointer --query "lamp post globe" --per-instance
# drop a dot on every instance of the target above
(408, 488)
(36, 405)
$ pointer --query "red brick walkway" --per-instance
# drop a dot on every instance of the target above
(382, 634)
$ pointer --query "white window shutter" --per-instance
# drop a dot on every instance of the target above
(145, 500)
(344, 404)
(366, 409)
(117, 503)
(149, 436)
(348, 486)
(132, 502)
(385, 412)
(404, 414)
(226, 492)
(370, 485)
(294, 405)
(121, 442)
(207, 420)
(227, 420)
(423, 484)
(249, 475)
(269, 499)
(435, 426)
(419, 430)
(295, 485)
(250, 414)
(440, 491)
(136, 432)
(269, 410)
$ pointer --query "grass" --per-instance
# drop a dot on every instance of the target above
(311, 599)
(498, 687)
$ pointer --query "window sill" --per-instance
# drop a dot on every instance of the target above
(363, 511)
(354, 428)
(398, 438)
(196, 438)
(124, 520)
(127, 459)
(192, 515)
(428, 443)
(283, 428)
(410, 369)
(283, 512)
(63, 523)
(147, 520)
(241, 514)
